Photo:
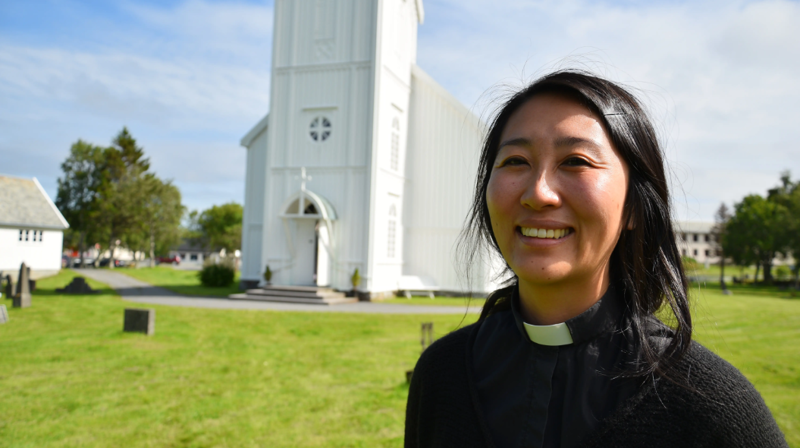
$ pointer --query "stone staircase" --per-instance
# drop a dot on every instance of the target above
(295, 294)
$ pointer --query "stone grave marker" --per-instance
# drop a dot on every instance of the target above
(9, 291)
(23, 298)
(140, 321)
(78, 285)
(426, 339)
(3, 314)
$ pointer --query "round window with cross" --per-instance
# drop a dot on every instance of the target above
(320, 129)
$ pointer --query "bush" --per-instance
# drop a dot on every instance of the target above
(217, 274)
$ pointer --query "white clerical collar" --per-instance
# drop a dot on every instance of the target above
(552, 335)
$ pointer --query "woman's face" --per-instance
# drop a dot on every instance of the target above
(556, 193)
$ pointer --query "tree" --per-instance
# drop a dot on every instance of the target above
(788, 196)
(79, 191)
(221, 226)
(162, 212)
(124, 167)
(721, 219)
(754, 234)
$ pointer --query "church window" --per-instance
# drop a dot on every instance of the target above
(320, 129)
(20, 234)
(395, 154)
(26, 234)
(40, 235)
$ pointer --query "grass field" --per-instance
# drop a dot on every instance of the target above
(182, 282)
(70, 377)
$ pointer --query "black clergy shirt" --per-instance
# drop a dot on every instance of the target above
(534, 395)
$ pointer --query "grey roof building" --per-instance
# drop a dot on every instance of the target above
(31, 228)
(24, 204)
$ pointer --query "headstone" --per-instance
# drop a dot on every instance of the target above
(23, 298)
(140, 321)
(3, 314)
(427, 335)
(78, 285)
(9, 291)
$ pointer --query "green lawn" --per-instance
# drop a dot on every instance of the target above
(70, 377)
(475, 302)
(182, 282)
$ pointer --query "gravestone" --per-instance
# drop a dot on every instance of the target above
(426, 339)
(9, 291)
(78, 285)
(23, 298)
(140, 321)
(3, 314)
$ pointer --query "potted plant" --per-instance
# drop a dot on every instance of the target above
(355, 280)
(268, 275)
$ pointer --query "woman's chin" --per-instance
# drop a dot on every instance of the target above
(544, 274)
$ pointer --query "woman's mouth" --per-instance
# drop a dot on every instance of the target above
(545, 233)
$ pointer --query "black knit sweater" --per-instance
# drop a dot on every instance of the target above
(720, 408)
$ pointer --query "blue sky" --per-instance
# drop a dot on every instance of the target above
(189, 79)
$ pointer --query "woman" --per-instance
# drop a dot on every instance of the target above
(572, 193)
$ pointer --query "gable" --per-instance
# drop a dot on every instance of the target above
(24, 203)
(260, 127)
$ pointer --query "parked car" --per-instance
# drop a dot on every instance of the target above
(117, 263)
(88, 262)
(174, 260)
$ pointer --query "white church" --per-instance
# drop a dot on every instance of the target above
(363, 162)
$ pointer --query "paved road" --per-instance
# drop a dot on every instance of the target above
(138, 291)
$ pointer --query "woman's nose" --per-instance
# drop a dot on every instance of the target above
(540, 193)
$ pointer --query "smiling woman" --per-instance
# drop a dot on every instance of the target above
(571, 192)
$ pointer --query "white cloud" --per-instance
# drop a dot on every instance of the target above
(719, 76)
(188, 82)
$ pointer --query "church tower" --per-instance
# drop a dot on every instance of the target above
(325, 178)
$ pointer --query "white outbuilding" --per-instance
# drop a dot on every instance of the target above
(31, 228)
(363, 162)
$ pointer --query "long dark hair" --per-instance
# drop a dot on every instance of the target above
(646, 267)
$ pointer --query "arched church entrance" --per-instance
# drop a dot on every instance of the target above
(308, 224)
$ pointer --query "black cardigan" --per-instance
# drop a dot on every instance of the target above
(724, 410)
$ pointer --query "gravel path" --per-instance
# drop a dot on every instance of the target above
(138, 291)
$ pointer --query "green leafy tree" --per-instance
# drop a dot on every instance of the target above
(79, 190)
(161, 215)
(122, 193)
(787, 195)
(754, 234)
(721, 219)
(221, 226)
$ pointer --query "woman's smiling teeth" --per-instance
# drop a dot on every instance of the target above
(544, 233)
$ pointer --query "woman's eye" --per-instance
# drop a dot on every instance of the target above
(514, 161)
(576, 161)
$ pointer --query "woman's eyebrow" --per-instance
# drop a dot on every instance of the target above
(568, 142)
(519, 141)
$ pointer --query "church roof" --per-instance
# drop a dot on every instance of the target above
(260, 127)
(420, 11)
(24, 203)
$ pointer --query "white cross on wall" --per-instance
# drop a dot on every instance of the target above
(303, 179)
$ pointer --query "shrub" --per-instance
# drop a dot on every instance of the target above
(217, 274)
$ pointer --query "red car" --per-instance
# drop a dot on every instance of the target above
(175, 259)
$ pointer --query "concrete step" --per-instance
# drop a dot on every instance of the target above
(308, 294)
(316, 300)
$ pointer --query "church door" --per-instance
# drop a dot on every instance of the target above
(305, 239)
